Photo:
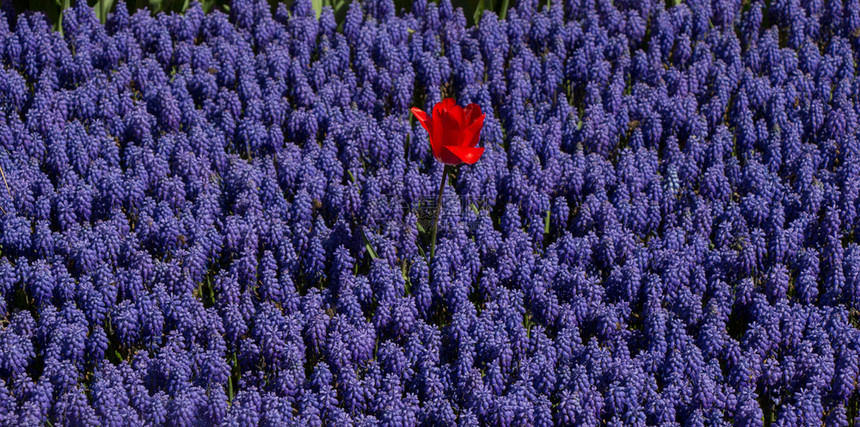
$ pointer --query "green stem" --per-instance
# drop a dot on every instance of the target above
(445, 173)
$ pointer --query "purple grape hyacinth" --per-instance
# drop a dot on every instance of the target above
(220, 218)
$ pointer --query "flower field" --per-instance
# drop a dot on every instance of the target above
(222, 218)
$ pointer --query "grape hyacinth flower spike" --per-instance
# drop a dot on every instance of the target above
(454, 133)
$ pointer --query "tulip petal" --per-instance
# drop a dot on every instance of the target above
(427, 123)
(473, 111)
(437, 132)
(472, 132)
(459, 115)
(448, 157)
(450, 118)
(468, 155)
(420, 115)
(422, 118)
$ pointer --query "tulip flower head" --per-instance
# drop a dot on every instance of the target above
(453, 131)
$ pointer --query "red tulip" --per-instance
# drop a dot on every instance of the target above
(453, 131)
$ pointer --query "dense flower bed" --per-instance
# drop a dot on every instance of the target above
(212, 218)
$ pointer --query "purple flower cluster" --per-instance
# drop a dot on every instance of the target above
(660, 231)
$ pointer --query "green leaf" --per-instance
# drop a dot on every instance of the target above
(339, 8)
(339, 5)
(546, 223)
(317, 5)
(503, 9)
(102, 8)
(370, 250)
(233, 371)
(367, 245)
(59, 25)
(155, 6)
(64, 4)
(207, 5)
(480, 5)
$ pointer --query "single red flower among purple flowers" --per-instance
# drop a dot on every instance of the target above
(454, 131)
